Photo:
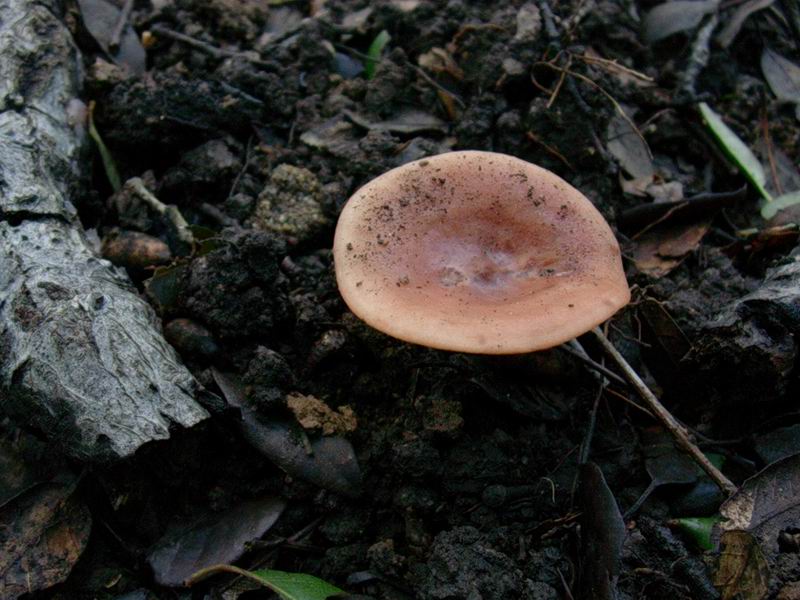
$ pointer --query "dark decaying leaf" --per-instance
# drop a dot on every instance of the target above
(780, 443)
(163, 287)
(635, 219)
(603, 532)
(734, 24)
(626, 145)
(329, 462)
(216, 539)
(16, 476)
(782, 75)
(665, 331)
(42, 534)
(676, 16)
(100, 18)
(766, 504)
(742, 572)
(665, 464)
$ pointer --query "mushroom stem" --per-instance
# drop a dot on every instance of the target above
(678, 431)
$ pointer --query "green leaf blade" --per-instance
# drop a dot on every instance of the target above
(699, 529)
(296, 586)
(736, 150)
(374, 53)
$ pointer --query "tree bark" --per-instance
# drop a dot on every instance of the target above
(82, 358)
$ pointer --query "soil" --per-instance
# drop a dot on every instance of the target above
(468, 463)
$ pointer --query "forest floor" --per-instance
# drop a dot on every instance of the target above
(452, 475)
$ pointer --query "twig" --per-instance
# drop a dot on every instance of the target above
(535, 139)
(243, 170)
(549, 21)
(698, 58)
(206, 47)
(584, 8)
(561, 79)
(645, 216)
(136, 185)
(119, 27)
(220, 217)
(575, 348)
(679, 433)
(612, 66)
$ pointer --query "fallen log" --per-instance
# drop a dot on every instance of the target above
(82, 358)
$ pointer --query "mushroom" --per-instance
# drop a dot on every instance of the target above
(486, 253)
(477, 252)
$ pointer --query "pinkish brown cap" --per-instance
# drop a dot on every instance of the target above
(477, 252)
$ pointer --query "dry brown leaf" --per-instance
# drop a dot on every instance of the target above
(742, 572)
(42, 534)
(661, 249)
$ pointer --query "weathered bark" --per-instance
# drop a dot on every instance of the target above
(82, 358)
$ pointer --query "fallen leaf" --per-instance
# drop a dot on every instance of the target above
(43, 532)
(664, 463)
(777, 444)
(660, 249)
(782, 75)
(603, 532)
(779, 205)
(665, 331)
(766, 504)
(699, 529)
(100, 18)
(734, 23)
(336, 135)
(165, 284)
(673, 17)
(289, 586)
(329, 462)
(627, 146)
(736, 150)
(16, 476)
(742, 572)
(213, 540)
(374, 53)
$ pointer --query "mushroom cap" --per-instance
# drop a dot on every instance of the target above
(477, 252)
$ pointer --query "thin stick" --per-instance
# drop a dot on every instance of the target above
(575, 348)
(122, 22)
(209, 49)
(170, 212)
(679, 433)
